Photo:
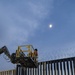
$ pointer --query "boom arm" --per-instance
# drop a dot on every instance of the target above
(5, 51)
(19, 57)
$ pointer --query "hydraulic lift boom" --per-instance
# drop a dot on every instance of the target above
(19, 57)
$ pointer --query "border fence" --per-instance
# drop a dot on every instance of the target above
(64, 66)
(8, 72)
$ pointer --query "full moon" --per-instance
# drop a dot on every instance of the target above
(50, 26)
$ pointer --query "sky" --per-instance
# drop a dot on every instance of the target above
(24, 22)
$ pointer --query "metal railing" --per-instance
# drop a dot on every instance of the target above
(64, 66)
(8, 72)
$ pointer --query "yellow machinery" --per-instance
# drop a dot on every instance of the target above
(26, 58)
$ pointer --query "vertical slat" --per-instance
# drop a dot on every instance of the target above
(54, 68)
(71, 67)
(28, 71)
(64, 67)
(41, 69)
(38, 69)
(25, 71)
(51, 69)
(57, 68)
(12, 72)
(3, 72)
(61, 68)
(44, 68)
(22, 71)
(67, 68)
(33, 71)
(48, 68)
(6, 73)
(17, 70)
(74, 65)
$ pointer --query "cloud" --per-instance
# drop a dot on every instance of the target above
(19, 20)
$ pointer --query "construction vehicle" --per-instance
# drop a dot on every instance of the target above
(26, 58)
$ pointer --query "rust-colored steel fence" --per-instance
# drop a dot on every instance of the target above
(64, 66)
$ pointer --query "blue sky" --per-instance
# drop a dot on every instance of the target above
(27, 22)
